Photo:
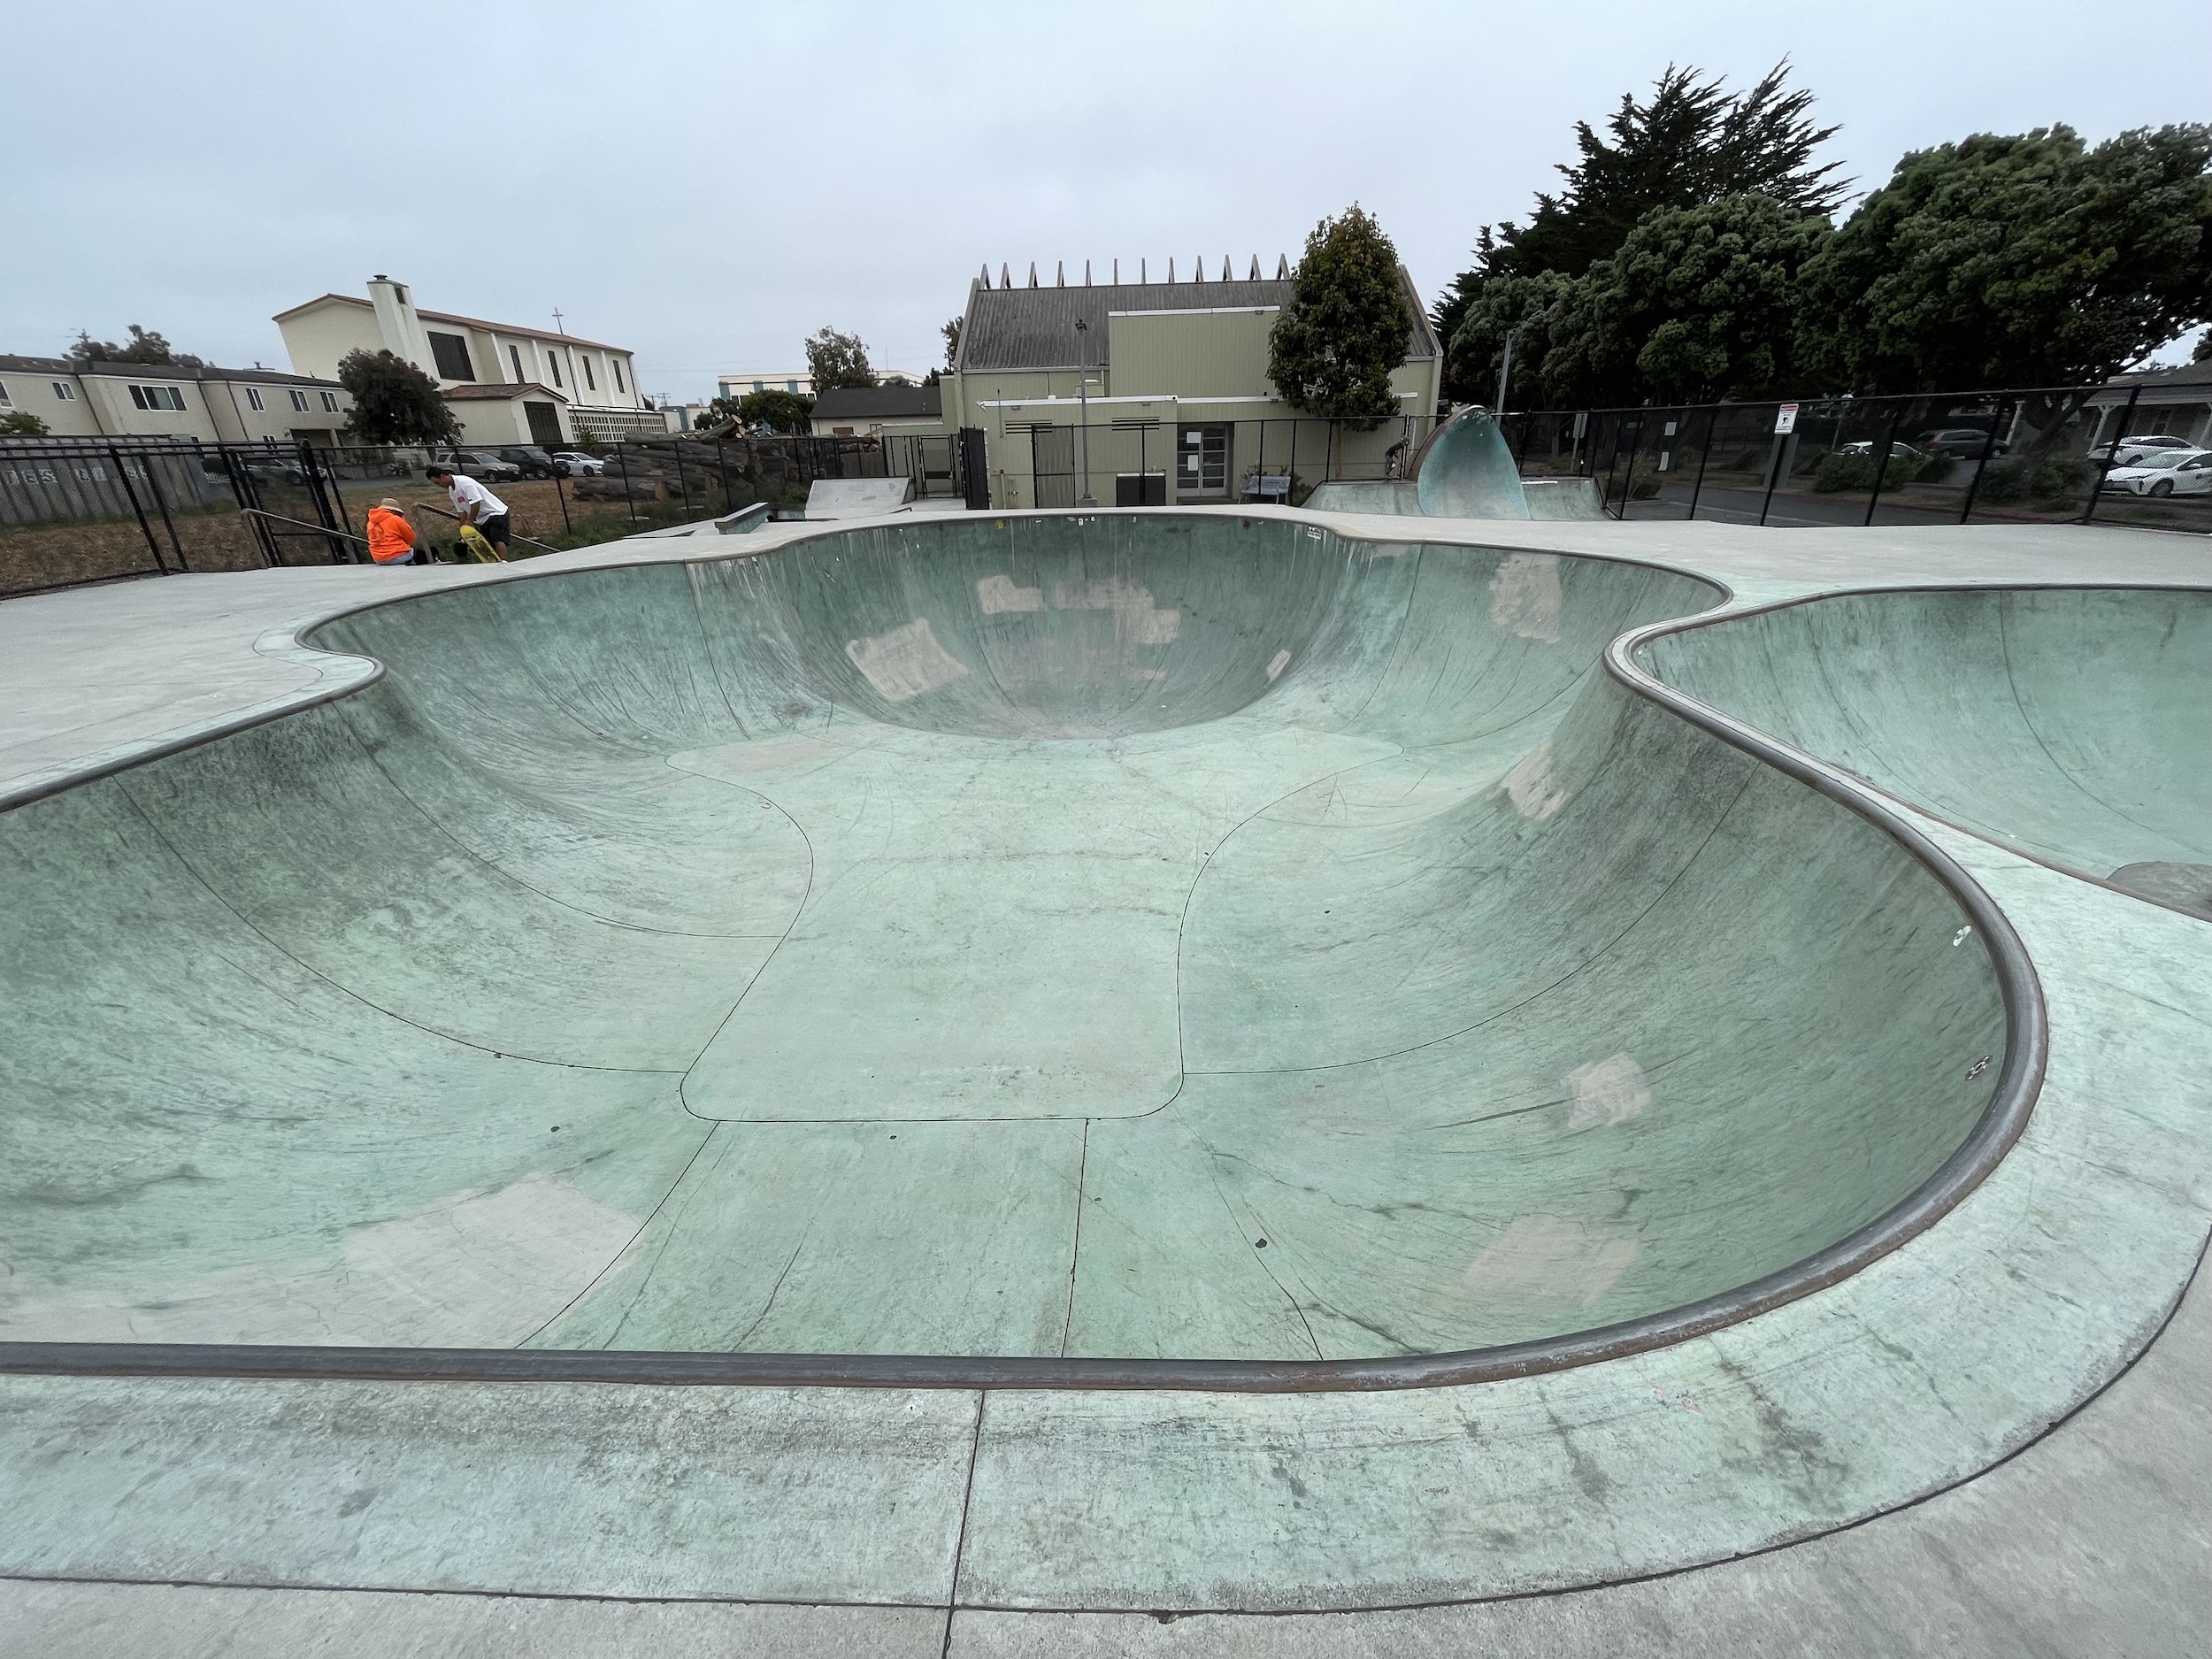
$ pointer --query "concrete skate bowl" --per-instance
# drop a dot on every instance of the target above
(2070, 725)
(1076, 951)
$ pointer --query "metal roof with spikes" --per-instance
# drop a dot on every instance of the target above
(1009, 327)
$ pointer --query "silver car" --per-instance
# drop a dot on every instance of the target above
(2134, 451)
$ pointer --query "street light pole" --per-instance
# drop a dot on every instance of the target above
(1083, 403)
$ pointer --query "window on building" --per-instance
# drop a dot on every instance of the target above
(5, 401)
(616, 365)
(299, 400)
(514, 356)
(253, 398)
(788, 386)
(590, 383)
(168, 397)
(760, 385)
(330, 402)
(553, 362)
(451, 352)
(64, 391)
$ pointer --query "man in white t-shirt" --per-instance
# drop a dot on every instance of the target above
(474, 505)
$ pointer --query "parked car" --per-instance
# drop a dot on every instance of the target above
(1965, 441)
(276, 472)
(2166, 472)
(533, 461)
(1897, 451)
(2131, 451)
(576, 463)
(485, 468)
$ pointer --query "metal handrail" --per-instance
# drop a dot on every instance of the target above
(320, 529)
(511, 537)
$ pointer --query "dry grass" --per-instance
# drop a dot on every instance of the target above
(52, 556)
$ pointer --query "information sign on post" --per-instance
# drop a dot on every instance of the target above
(1785, 420)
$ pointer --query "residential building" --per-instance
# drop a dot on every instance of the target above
(1176, 391)
(2176, 402)
(745, 382)
(859, 411)
(742, 384)
(511, 379)
(137, 400)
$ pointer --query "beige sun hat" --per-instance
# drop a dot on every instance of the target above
(392, 502)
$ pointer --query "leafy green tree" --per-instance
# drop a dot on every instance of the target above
(1346, 327)
(837, 360)
(20, 423)
(2203, 353)
(1522, 307)
(1700, 304)
(778, 410)
(1691, 143)
(2025, 261)
(143, 347)
(394, 401)
(950, 329)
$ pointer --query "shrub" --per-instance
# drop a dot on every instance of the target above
(1842, 472)
(2052, 478)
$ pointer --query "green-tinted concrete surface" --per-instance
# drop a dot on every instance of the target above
(1157, 937)
(2072, 725)
(292, 1110)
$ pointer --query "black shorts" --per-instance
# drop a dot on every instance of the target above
(495, 528)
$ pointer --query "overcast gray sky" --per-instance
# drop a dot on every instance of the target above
(709, 183)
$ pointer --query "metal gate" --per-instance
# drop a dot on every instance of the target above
(1052, 464)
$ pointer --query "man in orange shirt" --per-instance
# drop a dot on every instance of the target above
(391, 536)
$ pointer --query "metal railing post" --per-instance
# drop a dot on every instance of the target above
(2119, 436)
(145, 529)
(1704, 454)
(1881, 463)
(1781, 441)
(1629, 478)
(153, 483)
(1981, 465)
(629, 496)
(340, 553)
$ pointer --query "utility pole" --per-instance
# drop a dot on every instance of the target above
(1505, 367)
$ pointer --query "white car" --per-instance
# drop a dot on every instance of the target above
(2135, 451)
(576, 463)
(2168, 472)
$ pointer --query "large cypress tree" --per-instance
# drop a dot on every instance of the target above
(1690, 143)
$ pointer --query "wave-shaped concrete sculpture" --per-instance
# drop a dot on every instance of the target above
(1134, 937)
(1464, 470)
